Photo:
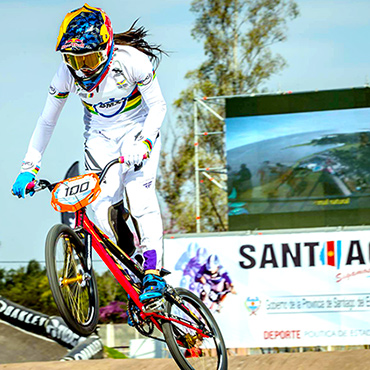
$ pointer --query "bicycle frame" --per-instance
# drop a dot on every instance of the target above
(97, 240)
(112, 255)
(101, 244)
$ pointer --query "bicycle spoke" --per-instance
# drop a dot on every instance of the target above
(75, 296)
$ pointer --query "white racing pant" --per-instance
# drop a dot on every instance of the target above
(100, 148)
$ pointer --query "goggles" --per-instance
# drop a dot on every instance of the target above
(87, 61)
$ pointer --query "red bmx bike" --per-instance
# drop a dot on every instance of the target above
(188, 327)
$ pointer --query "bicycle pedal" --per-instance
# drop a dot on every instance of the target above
(154, 305)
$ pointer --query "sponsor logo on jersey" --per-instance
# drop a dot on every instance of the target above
(103, 108)
(27, 165)
(147, 184)
(114, 106)
(52, 90)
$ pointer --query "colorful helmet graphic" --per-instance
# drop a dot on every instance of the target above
(213, 263)
(86, 43)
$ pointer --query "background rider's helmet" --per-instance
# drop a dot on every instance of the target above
(192, 248)
(213, 263)
(202, 254)
(86, 43)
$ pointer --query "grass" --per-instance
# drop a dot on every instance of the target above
(113, 353)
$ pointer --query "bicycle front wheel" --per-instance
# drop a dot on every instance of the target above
(75, 291)
(191, 350)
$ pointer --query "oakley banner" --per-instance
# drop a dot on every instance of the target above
(296, 290)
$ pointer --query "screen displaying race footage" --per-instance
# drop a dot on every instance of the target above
(299, 160)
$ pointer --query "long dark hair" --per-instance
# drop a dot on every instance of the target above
(135, 37)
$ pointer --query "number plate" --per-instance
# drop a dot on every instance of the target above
(74, 193)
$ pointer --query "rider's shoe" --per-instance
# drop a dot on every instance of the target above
(153, 288)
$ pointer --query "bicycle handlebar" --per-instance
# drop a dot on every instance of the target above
(43, 184)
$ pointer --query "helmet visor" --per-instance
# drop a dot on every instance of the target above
(88, 61)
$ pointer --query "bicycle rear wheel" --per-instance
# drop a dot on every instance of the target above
(75, 292)
(190, 350)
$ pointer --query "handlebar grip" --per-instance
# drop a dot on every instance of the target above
(30, 187)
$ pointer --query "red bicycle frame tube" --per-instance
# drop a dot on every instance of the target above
(98, 247)
(183, 323)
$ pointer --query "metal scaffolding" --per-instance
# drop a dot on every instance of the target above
(200, 103)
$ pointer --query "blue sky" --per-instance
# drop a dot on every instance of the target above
(327, 48)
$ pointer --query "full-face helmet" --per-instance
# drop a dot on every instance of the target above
(86, 43)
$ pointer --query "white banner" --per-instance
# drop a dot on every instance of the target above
(292, 290)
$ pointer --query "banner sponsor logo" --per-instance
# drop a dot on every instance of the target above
(304, 254)
(24, 318)
(58, 331)
(86, 350)
(282, 334)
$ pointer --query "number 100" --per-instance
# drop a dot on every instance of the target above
(75, 189)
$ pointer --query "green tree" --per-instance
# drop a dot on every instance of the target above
(237, 36)
(109, 289)
(28, 287)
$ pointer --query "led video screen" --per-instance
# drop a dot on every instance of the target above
(299, 160)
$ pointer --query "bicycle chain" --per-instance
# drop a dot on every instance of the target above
(139, 324)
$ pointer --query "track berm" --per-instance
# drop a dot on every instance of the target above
(20, 350)
(345, 360)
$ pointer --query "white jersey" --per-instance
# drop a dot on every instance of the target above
(129, 100)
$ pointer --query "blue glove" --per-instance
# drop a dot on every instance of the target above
(19, 187)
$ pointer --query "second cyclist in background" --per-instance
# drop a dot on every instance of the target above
(215, 280)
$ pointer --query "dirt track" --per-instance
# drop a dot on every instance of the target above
(21, 351)
(351, 360)
(18, 346)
